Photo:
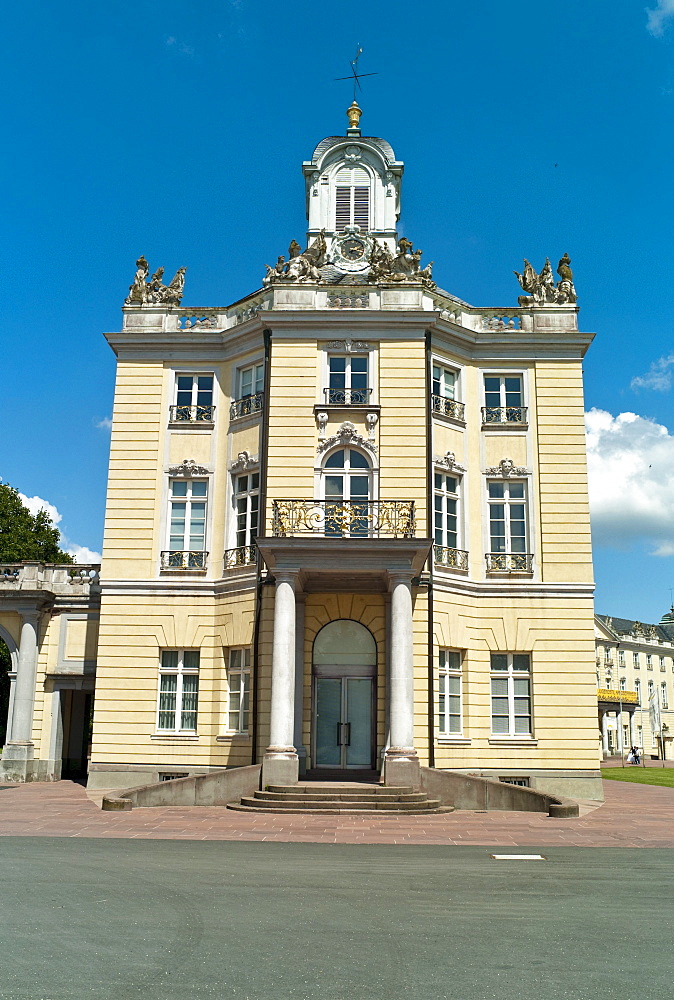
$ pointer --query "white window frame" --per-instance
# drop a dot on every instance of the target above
(365, 224)
(450, 686)
(663, 665)
(348, 358)
(636, 665)
(446, 494)
(239, 666)
(246, 495)
(257, 379)
(188, 500)
(511, 675)
(193, 405)
(649, 661)
(523, 404)
(637, 688)
(664, 700)
(439, 383)
(507, 501)
(180, 671)
(651, 689)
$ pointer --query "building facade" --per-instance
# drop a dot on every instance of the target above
(635, 683)
(347, 521)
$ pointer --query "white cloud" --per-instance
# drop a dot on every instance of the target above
(35, 504)
(631, 478)
(105, 424)
(659, 376)
(80, 553)
(171, 40)
(659, 16)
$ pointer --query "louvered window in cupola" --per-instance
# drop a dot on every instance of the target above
(352, 198)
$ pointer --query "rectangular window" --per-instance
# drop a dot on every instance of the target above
(444, 382)
(352, 199)
(504, 400)
(247, 500)
(664, 703)
(649, 661)
(187, 524)
(662, 663)
(193, 399)
(449, 698)
(621, 658)
(446, 501)
(347, 380)
(178, 690)
(507, 526)
(635, 661)
(637, 688)
(623, 683)
(510, 694)
(238, 682)
(251, 381)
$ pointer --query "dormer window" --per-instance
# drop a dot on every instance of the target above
(352, 198)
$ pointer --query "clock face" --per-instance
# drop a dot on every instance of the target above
(352, 248)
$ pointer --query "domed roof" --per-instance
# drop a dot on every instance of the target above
(381, 145)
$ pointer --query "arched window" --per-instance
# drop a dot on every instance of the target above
(352, 198)
(347, 492)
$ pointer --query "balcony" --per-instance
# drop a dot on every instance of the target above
(243, 555)
(347, 397)
(450, 558)
(195, 414)
(188, 560)
(343, 519)
(246, 406)
(448, 407)
(509, 562)
(55, 578)
(504, 415)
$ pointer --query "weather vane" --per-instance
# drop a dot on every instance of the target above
(355, 75)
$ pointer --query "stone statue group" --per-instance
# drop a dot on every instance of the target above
(542, 286)
(154, 291)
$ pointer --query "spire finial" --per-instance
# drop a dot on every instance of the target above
(353, 113)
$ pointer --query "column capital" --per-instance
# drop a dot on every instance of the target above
(30, 616)
(286, 576)
(397, 576)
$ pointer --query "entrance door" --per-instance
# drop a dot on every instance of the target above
(344, 722)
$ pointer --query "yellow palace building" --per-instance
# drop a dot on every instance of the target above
(347, 519)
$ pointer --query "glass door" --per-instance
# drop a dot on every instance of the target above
(344, 722)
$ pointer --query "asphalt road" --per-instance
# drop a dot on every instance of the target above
(176, 920)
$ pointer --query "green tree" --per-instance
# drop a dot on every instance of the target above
(24, 535)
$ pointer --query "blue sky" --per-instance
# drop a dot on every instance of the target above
(177, 130)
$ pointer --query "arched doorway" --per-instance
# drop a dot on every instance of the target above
(344, 672)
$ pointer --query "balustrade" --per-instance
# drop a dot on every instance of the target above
(188, 559)
(243, 555)
(191, 414)
(247, 405)
(347, 397)
(509, 562)
(451, 558)
(448, 407)
(504, 414)
(347, 518)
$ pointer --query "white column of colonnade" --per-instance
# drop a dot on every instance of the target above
(18, 752)
(402, 671)
(280, 764)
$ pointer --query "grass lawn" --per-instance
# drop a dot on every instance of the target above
(642, 775)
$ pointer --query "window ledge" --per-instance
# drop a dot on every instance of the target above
(174, 736)
(358, 407)
(453, 741)
(179, 571)
(229, 737)
(447, 419)
(509, 426)
(512, 741)
(191, 425)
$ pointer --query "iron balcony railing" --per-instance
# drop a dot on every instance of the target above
(191, 414)
(509, 562)
(451, 558)
(183, 559)
(448, 407)
(504, 414)
(242, 555)
(347, 397)
(246, 405)
(344, 518)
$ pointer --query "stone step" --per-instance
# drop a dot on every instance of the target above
(348, 805)
(335, 786)
(336, 810)
(349, 795)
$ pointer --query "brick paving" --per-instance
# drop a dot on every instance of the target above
(632, 816)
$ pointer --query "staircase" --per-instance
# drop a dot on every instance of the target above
(342, 797)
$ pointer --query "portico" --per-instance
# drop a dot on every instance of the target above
(299, 566)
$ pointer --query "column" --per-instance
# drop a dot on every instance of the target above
(17, 756)
(299, 683)
(604, 732)
(401, 763)
(280, 764)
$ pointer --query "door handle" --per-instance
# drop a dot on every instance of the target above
(348, 733)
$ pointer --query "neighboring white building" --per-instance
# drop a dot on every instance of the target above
(635, 677)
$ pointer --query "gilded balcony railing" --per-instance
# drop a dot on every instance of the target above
(191, 414)
(243, 555)
(347, 397)
(451, 558)
(344, 518)
(183, 559)
(509, 562)
(246, 405)
(448, 407)
(504, 414)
